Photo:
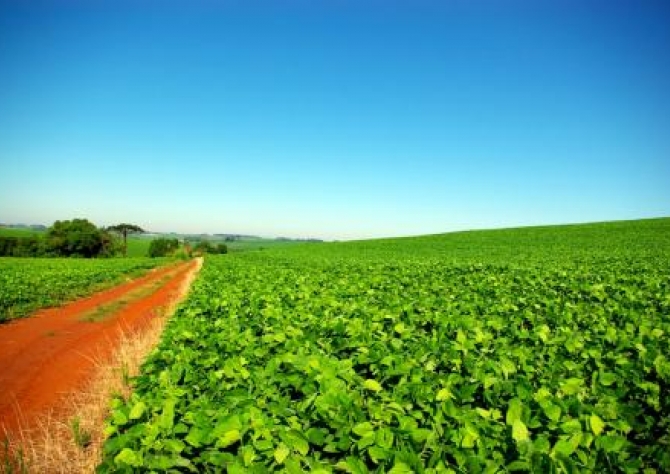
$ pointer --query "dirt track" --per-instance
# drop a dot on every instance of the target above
(54, 352)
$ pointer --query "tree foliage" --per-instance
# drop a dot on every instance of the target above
(162, 247)
(125, 230)
(77, 238)
(204, 246)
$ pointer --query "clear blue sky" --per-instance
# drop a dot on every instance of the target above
(334, 119)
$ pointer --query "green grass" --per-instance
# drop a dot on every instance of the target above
(539, 349)
(12, 232)
(138, 246)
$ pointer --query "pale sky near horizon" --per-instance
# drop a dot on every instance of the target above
(334, 119)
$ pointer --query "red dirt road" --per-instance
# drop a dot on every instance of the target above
(54, 352)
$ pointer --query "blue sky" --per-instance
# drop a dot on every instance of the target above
(334, 119)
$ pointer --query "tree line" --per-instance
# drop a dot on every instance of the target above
(81, 238)
(68, 238)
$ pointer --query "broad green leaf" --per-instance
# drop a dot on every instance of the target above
(597, 425)
(571, 386)
(443, 394)
(400, 468)
(228, 438)
(552, 411)
(281, 453)
(195, 437)
(519, 431)
(384, 438)
(128, 457)
(377, 454)
(563, 448)
(514, 411)
(571, 426)
(364, 428)
(483, 413)
(248, 455)
(611, 443)
(137, 411)
(372, 385)
(607, 378)
(298, 442)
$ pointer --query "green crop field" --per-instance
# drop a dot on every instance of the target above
(526, 350)
(18, 232)
(138, 246)
(27, 284)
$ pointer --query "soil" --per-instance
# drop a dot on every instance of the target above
(53, 353)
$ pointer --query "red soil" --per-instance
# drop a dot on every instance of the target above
(55, 352)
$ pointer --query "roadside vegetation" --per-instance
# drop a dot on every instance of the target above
(528, 350)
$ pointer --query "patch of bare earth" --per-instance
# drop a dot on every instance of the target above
(61, 367)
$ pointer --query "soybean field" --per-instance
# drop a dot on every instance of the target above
(528, 350)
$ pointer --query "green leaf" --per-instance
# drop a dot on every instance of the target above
(384, 438)
(419, 435)
(563, 448)
(166, 420)
(352, 465)
(128, 457)
(607, 378)
(248, 455)
(281, 453)
(137, 410)
(571, 386)
(514, 411)
(518, 466)
(298, 442)
(364, 428)
(597, 425)
(443, 394)
(552, 411)
(228, 438)
(400, 468)
(367, 440)
(571, 426)
(119, 418)
(377, 454)
(519, 431)
(372, 385)
(195, 437)
(611, 444)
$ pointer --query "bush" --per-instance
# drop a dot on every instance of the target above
(162, 247)
(204, 247)
(76, 238)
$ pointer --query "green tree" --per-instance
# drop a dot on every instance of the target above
(162, 247)
(124, 230)
(75, 238)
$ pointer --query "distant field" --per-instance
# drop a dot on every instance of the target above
(12, 232)
(138, 246)
(257, 244)
(521, 350)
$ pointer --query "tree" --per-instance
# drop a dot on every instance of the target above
(162, 247)
(75, 238)
(124, 230)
